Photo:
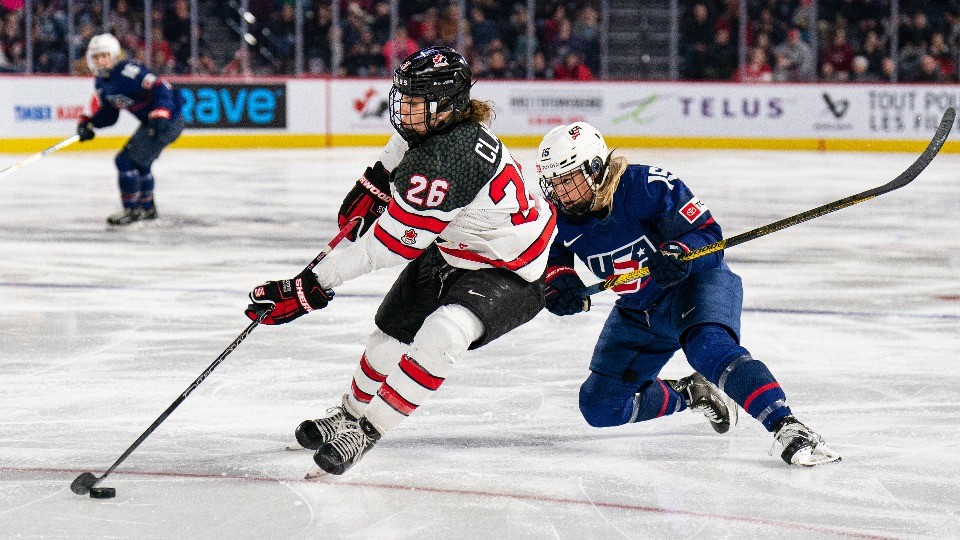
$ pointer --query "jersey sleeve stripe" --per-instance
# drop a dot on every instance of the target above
(395, 245)
(427, 223)
(528, 256)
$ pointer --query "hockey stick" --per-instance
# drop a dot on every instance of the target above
(36, 157)
(946, 123)
(82, 484)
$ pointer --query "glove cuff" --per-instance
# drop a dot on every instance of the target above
(554, 272)
(674, 245)
(159, 113)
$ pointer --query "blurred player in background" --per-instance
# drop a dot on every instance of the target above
(617, 217)
(474, 239)
(124, 84)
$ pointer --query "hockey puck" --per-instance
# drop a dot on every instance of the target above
(102, 493)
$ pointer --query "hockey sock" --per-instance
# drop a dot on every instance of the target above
(129, 180)
(146, 189)
(445, 335)
(745, 379)
(377, 361)
(608, 401)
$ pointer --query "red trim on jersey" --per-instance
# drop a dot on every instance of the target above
(427, 223)
(757, 392)
(361, 396)
(371, 373)
(395, 245)
(395, 400)
(535, 250)
(707, 223)
(421, 376)
(666, 399)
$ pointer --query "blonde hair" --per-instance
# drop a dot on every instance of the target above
(480, 112)
(604, 196)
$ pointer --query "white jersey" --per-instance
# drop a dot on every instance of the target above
(463, 190)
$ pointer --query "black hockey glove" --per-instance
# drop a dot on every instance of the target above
(666, 268)
(289, 298)
(563, 292)
(367, 200)
(85, 128)
(157, 122)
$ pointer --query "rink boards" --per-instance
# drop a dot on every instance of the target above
(323, 112)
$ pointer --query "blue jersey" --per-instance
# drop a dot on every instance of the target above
(131, 86)
(650, 207)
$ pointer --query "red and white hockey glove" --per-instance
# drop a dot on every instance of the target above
(289, 298)
(563, 292)
(367, 200)
(666, 267)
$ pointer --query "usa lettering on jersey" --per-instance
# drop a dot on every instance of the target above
(621, 260)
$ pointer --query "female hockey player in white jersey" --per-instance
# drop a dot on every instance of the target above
(475, 240)
(617, 217)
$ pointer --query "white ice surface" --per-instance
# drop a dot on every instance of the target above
(857, 314)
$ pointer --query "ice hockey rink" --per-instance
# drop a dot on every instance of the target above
(857, 313)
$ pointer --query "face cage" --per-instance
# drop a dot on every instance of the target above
(579, 209)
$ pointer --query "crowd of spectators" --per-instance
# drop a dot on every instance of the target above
(849, 41)
(852, 37)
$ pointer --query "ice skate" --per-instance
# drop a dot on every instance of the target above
(150, 214)
(701, 395)
(801, 445)
(312, 434)
(343, 452)
(125, 217)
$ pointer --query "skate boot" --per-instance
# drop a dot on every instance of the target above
(150, 214)
(314, 433)
(801, 445)
(343, 452)
(125, 216)
(701, 395)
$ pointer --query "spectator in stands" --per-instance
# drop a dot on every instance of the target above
(800, 64)
(873, 51)
(541, 70)
(838, 53)
(697, 34)
(482, 29)
(398, 48)
(496, 66)
(380, 22)
(828, 73)
(316, 39)
(802, 17)
(572, 69)
(861, 71)
(451, 25)
(365, 59)
(888, 70)
(586, 32)
(516, 38)
(176, 30)
(916, 30)
(721, 62)
(121, 20)
(756, 70)
(928, 71)
(943, 55)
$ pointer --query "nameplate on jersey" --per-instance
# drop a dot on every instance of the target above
(488, 146)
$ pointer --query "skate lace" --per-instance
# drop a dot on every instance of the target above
(796, 430)
(331, 425)
(350, 442)
(709, 411)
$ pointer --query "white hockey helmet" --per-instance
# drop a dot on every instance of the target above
(566, 149)
(100, 44)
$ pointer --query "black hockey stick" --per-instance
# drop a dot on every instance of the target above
(36, 157)
(946, 123)
(83, 483)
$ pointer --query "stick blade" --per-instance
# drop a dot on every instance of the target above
(81, 485)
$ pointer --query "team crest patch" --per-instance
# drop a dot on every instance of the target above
(439, 60)
(574, 132)
(693, 210)
(409, 237)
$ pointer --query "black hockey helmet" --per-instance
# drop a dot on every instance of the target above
(442, 78)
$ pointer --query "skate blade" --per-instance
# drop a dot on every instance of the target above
(315, 473)
(811, 457)
(293, 447)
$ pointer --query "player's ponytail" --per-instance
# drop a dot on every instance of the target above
(480, 112)
(604, 196)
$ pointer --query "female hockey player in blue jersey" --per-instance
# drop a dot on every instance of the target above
(617, 217)
(123, 84)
